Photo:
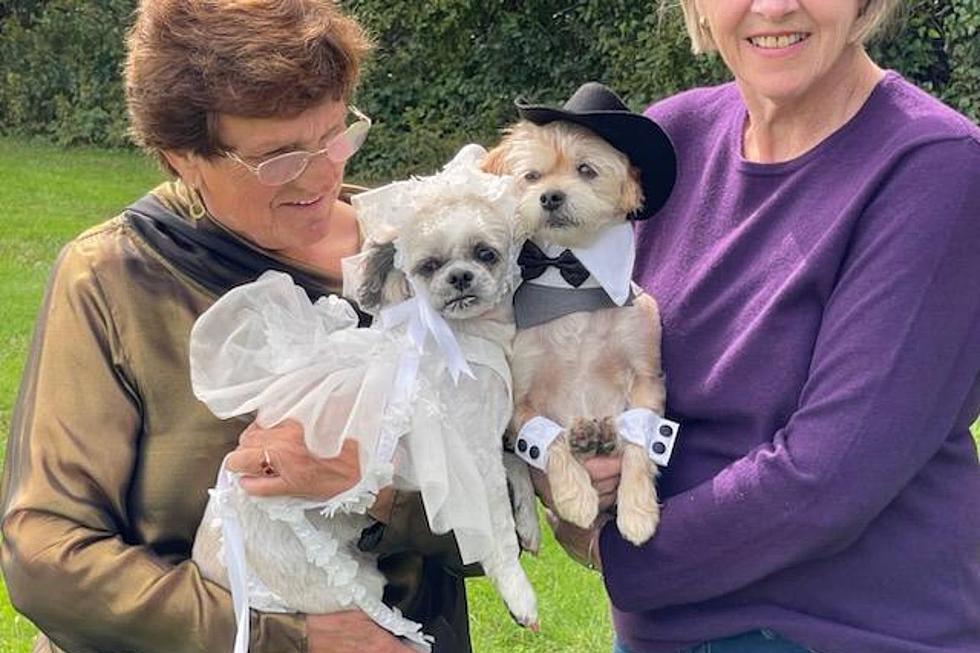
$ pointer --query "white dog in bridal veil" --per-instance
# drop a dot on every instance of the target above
(435, 360)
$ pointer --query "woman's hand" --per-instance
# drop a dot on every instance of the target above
(581, 544)
(350, 631)
(276, 462)
(383, 504)
(604, 472)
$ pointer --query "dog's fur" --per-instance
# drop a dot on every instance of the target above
(457, 254)
(583, 369)
(461, 255)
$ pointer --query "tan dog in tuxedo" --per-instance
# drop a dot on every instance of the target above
(583, 368)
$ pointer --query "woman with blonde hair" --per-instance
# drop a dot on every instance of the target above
(110, 455)
(816, 269)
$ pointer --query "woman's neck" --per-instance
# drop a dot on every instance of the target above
(342, 240)
(783, 129)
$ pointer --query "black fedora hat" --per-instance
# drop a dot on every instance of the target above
(596, 107)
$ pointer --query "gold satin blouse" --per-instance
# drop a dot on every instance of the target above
(110, 457)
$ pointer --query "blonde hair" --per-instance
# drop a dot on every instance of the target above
(873, 19)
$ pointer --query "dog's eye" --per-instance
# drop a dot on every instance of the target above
(485, 254)
(532, 175)
(428, 267)
(587, 171)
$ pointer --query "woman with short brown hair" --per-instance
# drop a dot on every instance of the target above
(110, 455)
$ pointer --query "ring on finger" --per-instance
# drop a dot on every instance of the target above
(266, 464)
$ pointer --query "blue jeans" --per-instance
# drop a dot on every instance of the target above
(756, 641)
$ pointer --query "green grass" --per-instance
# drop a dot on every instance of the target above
(47, 196)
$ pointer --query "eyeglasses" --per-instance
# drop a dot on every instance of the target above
(284, 168)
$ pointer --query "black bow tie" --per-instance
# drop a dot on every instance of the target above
(534, 262)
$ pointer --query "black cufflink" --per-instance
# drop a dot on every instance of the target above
(659, 448)
(666, 430)
(522, 445)
(534, 453)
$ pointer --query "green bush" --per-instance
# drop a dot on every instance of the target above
(59, 70)
(446, 71)
(961, 32)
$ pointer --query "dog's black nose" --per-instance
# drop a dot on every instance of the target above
(460, 279)
(552, 199)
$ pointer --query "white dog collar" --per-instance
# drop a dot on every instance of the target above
(645, 428)
(533, 441)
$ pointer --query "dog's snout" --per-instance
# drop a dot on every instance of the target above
(552, 199)
(460, 279)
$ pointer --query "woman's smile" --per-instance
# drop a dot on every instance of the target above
(304, 204)
(778, 44)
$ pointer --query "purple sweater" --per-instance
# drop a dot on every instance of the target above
(822, 350)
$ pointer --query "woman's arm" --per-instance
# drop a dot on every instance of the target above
(401, 525)
(71, 565)
(895, 360)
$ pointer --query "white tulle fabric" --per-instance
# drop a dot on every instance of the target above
(265, 348)
(452, 453)
(426, 403)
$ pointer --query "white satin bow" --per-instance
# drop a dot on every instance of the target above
(423, 320)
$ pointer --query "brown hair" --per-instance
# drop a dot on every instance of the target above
(190, 60)
(873, 19)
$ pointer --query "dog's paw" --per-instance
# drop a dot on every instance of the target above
(607, 440)
(638, 515)
(583, 435)
(531, 624)
(521, 601)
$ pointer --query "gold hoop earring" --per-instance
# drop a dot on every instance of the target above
(197, 209)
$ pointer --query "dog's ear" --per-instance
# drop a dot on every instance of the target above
(495, 161)
(631, 192)
(381, 282)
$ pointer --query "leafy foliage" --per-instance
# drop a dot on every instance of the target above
(59, 64)
(445, 71)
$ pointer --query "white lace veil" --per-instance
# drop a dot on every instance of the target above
(383, 212)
